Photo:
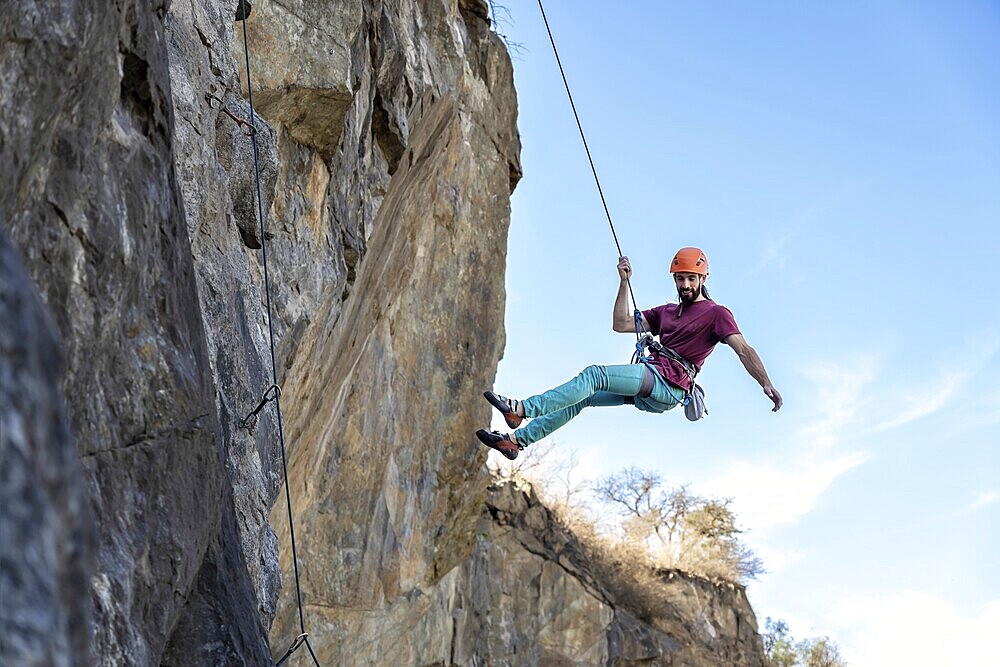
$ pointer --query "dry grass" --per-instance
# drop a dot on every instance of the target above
(627, 554)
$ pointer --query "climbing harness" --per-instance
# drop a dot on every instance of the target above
(694, 397)
(273, 393)
(647, 341)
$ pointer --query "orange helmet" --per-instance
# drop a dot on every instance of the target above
(689, 260)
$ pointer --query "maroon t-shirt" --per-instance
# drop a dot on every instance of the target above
(701, 326)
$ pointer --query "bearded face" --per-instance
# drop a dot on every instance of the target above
(688, 286)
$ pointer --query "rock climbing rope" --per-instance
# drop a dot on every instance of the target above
(272, 394)
(636, 314)
(643, 339)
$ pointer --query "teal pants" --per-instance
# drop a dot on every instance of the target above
(596, 386)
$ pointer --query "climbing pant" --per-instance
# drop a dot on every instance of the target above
(596, 386)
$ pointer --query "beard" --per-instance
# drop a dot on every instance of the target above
(688, 295)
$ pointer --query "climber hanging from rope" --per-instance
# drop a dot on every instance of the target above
(655, 382)
(688, 332)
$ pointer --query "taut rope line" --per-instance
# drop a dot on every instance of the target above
(303, 637)
(586, 148)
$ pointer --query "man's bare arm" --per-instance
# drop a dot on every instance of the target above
(755, 367)
(622, 320)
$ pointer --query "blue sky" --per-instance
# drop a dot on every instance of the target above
(840, 165)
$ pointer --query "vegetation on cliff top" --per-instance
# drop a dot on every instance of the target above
(784, 651)
(632, 518)
(638, 533)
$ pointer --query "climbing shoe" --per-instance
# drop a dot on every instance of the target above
(507, 407)
(500, 442)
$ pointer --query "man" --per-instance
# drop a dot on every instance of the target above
(691, 329)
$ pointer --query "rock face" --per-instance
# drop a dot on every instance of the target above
(46, 550)
(385, 134)
(92, 199)
(535, 599)
(387, 489)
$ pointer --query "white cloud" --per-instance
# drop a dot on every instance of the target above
(931, 397)
(779, 492)
(980, 413)
(775, 560)
(849, 391)
(914, 629)
(983, 500)
(934, 393)
(767, 495)
(840, 395)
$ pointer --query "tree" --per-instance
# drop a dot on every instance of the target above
(500, 18)
(783, 651)
(696, 534)
(749, 564)
(820, 652)
(778, 645)
(711, 537)
(648, 507)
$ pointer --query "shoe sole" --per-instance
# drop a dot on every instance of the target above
(513, 419)
(484, 437)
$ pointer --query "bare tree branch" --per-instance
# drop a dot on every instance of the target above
(501, 19)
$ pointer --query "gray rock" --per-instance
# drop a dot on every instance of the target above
(46, 531)
(95, 205)
(699, 624)
(301, 66)
(236, 155)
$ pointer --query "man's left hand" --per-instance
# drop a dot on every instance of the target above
(773, 394)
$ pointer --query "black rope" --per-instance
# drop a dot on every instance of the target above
(586, 148)
(270, 330)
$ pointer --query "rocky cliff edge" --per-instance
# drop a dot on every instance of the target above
(141, 524)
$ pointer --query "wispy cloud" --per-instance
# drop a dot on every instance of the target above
(983, 500)
(805, 219)
(979, 413)
(924, 402)
(878, 630)
(928, 399)
(848, 391)
(775, 560)
(775, 255)
(936, 390)
(840, 390)
(781, 491)
(768, 494)
(844, 393)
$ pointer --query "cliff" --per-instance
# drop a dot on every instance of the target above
(141, 524)
(538, 598)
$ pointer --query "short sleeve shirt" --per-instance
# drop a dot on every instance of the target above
(693, 334)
